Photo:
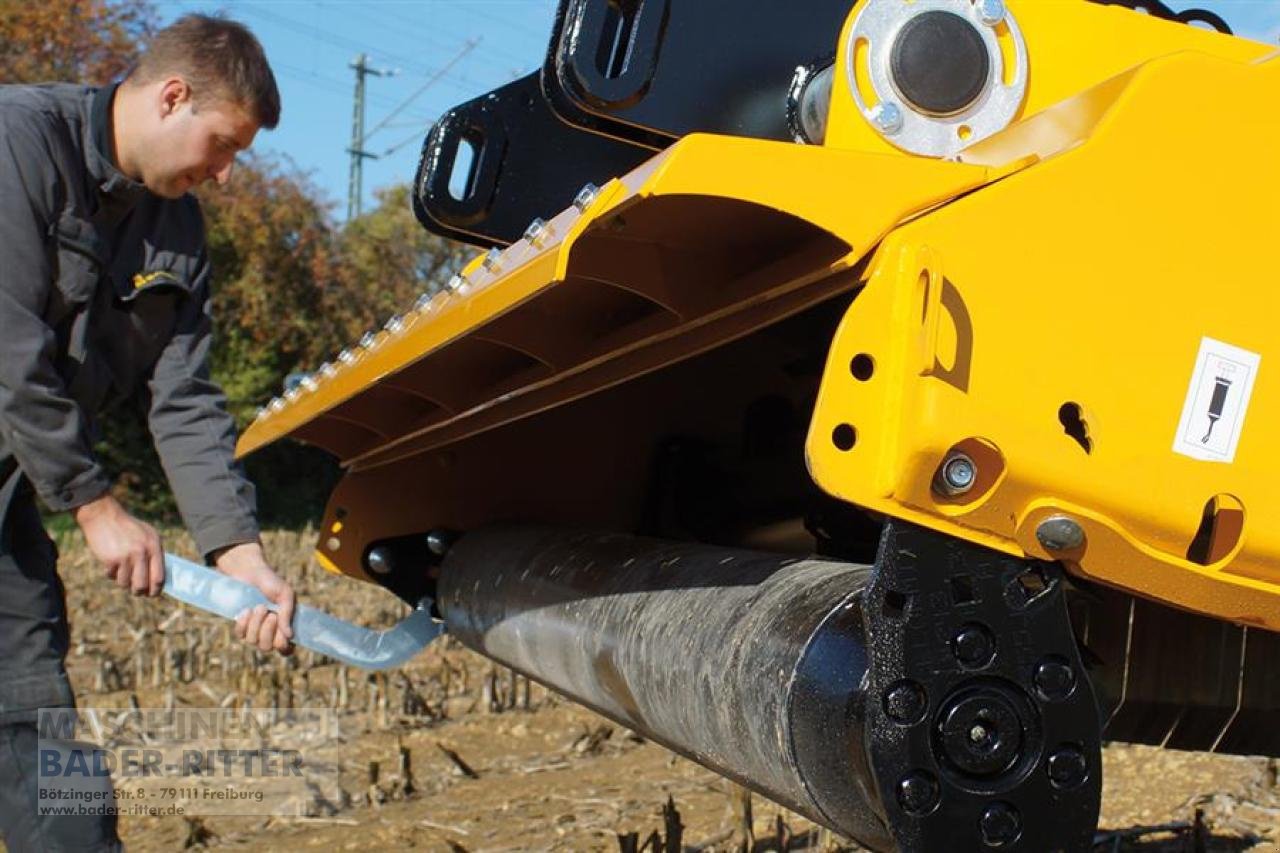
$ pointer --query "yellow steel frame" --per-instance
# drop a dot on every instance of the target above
(1088, 280)
(1078, 258)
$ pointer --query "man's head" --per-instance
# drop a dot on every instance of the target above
(195, 99)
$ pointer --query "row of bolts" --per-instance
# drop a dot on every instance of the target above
(536, 235)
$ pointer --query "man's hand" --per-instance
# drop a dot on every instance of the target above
(260, 627)
(127, 548)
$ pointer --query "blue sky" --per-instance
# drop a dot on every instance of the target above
(467, 46)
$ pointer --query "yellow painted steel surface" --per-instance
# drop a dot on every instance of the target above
(1059, 279)
(1073, 45)
(772, 175)
(1089, 282)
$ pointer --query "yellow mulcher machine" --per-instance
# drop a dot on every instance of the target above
(864, 400)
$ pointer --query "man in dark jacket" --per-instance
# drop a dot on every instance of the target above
(104, 294)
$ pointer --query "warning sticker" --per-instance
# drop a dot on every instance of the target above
(1217, 401)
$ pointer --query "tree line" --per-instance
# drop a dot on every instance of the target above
(291, 286)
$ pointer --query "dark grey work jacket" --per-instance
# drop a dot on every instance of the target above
(104, 294)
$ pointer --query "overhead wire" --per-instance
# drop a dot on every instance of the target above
(444, 69)
(417, 135)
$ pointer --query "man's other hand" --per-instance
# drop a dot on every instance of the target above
(259, 626)
(128, 549)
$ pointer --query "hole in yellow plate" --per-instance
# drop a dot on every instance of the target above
(1221, 526)
(844, 437)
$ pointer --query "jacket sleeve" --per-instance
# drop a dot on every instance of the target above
(41, 425)
(194, 433)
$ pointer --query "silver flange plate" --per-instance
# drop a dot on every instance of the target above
(880, 22)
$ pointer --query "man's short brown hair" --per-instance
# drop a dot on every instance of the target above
(220, 59)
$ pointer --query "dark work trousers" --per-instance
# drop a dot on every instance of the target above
(33, 644)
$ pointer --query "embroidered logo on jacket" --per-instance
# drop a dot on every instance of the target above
(145, 279)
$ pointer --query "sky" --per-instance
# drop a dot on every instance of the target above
(438, 53)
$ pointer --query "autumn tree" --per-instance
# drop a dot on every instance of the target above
(391, 258)
(83, 41)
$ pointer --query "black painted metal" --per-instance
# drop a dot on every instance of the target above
(716, 66)
(996, 717)
(620, 82)
(744, 662)
(939, 63)
(527, 165)
(759, 666)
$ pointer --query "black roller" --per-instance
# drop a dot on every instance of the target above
(744, 662)
(935, 701)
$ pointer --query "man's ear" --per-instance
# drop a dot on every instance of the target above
(174, 93)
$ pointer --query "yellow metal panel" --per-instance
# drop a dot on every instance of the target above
(1088, 279)
(856, 196)
(1072, 45)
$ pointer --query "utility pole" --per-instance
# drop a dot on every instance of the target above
(358, 154)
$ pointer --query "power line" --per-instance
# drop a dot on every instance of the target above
(497, 19)
(467, 48)
(402, 143)
(489, 51)
(328, 84)
(323, 35)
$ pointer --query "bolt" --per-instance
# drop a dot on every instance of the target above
(395, 324)
(536, 233)
(457, 284)
(379, 561)
(973, 646)
(1000, 825)
(309, 382)
(492, 260)
(956, 475)
(1054, 679)
(327, 370)
(981, 735)
(333, 543)
(421, 303)
(292, 394)
(438, 542)
(586, 197)
(918, 793)
(905, 703)
(990, 12)
(346, 356)
(887, 118)
(1060, 533)
(261, 413)
(368, 340)
(276, 404)
(1067, 767)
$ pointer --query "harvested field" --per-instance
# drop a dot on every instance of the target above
(470, 757)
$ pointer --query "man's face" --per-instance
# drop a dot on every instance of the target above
(194, 142)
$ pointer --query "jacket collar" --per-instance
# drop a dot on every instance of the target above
(114, 184)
